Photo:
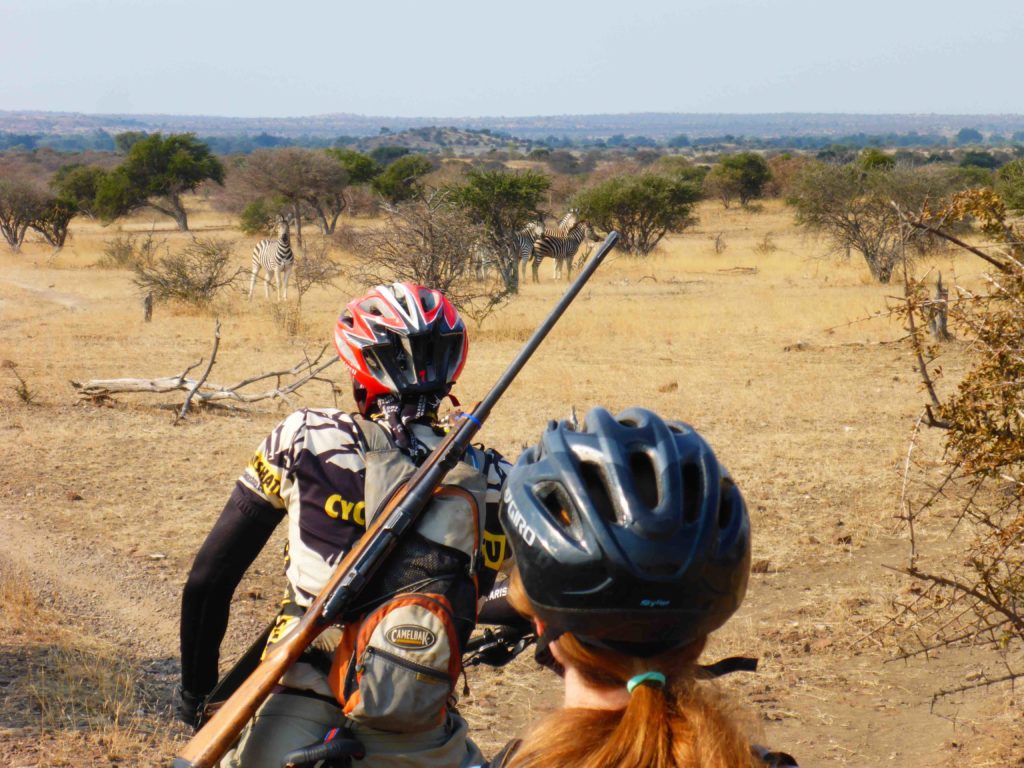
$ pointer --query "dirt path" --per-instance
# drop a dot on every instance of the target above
(114, 598)
(66, 300)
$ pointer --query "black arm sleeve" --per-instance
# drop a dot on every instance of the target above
(241, 531)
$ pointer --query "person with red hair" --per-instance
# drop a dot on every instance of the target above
(328, 471)
(631, 544)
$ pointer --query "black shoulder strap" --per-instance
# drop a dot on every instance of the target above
(726, 667)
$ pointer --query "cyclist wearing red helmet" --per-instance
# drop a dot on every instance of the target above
(326, 471)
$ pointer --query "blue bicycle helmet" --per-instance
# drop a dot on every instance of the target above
(628, 532)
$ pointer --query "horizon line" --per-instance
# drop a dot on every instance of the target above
(508, 117)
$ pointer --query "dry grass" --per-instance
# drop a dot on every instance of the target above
(70, 697)
(815, 435)
(19, 608)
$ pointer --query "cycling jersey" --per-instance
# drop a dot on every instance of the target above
(312, 467)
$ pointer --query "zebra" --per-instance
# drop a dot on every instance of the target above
(526, 237)
(483, 258)
(561, 249)
(276, 258)
(522, 243)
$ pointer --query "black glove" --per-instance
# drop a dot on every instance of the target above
(189, 707)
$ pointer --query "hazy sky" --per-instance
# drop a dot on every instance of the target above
(461, 59)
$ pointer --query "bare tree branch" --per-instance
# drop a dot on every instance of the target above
(917, 224)
(202, 379)
(206, 392)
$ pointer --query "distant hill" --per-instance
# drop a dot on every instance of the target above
(433, 139)
(656, 125)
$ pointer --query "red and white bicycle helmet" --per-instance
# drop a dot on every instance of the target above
(402, 338)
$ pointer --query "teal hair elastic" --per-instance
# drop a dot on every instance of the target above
(643, 677)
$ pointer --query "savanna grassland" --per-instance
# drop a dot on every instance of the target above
(768, 352)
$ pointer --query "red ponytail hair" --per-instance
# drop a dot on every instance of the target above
(680, 724)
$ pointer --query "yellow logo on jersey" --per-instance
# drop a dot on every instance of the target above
(494, 550)
(353, 512)
(270, 481)
(282, 627)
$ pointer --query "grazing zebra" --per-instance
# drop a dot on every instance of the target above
(276, 259)
(561, 249)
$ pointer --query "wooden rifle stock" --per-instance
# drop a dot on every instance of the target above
(353, 572)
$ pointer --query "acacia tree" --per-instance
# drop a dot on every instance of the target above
(751, 171)
(28, 203)
(427, 241)
(156, 173)
(643, 207)
(325, 195)
(723, 184)
(361, 169)
(21, 204)
(502, 202)
(73, 191)
(400, 181)
(52, 220)
(78, 184)
(296, 181)
(853, 208)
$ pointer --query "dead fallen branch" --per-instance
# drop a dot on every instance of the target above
(207, 392)
(202, 379)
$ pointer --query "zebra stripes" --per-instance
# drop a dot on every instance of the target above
(561, 249)
(276, 259)
(527, 236)
(523, 243)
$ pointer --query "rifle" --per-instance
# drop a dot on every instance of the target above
(396, 516)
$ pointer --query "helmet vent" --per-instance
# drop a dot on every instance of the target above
(597, 491)
(556, 504)
(693, 492)
(725, 505)
(644, 478)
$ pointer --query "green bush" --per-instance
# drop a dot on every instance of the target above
(255, 218)
(642, 207)
(400, 181)
(1010, 185)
